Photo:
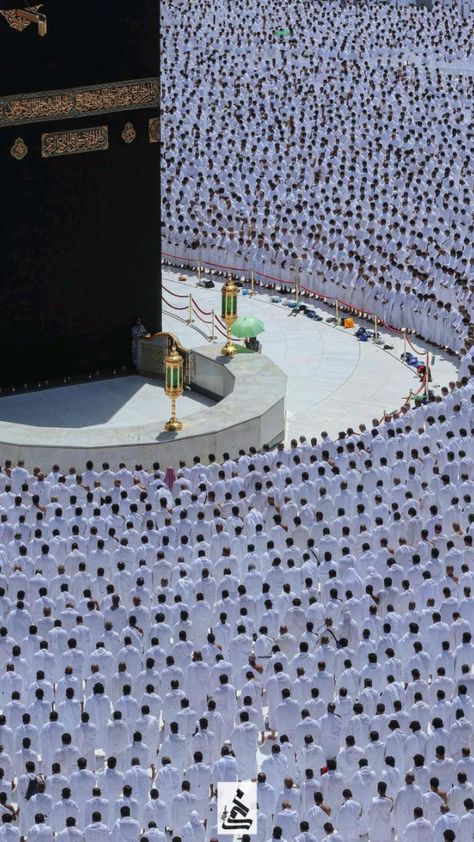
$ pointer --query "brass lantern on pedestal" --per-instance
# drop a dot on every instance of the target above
(229, 313)
(173, 386)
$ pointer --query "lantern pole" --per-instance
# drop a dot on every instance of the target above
(173, 386)
(173, 425)
(229, 313)
(229, 348)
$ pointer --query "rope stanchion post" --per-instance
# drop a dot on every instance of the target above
(404, 340)
(427, 375)
(337, 312)
(297, 291)
(213, 327)
(252, 283)
(190, 307)
(199, 270)
(376, 328)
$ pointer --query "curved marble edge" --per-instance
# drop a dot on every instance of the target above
(251, 389)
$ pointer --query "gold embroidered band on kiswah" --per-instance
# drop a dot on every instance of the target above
(93, 139)
(79, 102)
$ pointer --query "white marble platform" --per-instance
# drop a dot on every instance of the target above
(113, 403)
(122, 419)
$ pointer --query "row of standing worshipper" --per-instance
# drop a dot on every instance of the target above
(356, 176)
(227, 654)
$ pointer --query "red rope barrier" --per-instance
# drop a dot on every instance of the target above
(421, 353)
(389, 327)
(320, 296)
(324, 297)
(222, 333)
(205, 262)
(421, 387)
(220, 322)
(176, 256)
(222, 329)
(317, 295)
(354, 309)
(277, 280)
(405, 403)
(225, 268)
(176, 294)
(173, 306)
(205, 321)
(206, 312)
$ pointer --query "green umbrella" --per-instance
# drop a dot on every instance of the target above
(283, 32)
(246, 326)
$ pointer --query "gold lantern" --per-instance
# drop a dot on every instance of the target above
(173, 386)
(229, 313)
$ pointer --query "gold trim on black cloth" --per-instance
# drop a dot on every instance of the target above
(79, 102)
(77, 140)
(15, 20)
(19, 149)
(154, 129)
(129, 134)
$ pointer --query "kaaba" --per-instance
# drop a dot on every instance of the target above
(79, 152)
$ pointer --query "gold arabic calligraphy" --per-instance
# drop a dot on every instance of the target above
(120, 97)
(78, 102)
(72, 142)
(35, 108)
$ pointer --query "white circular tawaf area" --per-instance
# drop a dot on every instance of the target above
(334, 381)
(311, 377)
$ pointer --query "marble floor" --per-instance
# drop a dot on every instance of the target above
(334, 381)
(118, 402)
